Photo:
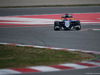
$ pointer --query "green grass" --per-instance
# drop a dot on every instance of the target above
(50, 6)
(16, 56)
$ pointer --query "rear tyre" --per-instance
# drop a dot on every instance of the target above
(56, 26)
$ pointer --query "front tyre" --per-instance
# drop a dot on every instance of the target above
(56, 26)
(78, 25)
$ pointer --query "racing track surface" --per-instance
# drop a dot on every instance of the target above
(46, 36)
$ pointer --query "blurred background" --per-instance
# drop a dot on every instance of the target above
(47, 2)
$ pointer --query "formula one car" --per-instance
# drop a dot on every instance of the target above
(67, 23)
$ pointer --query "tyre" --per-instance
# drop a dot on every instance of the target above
(56, 26)
(78, 25)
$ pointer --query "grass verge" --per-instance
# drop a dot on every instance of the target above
(49, 6)
(16, 56)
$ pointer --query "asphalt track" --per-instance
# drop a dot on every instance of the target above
(46, 36)
(50, 10)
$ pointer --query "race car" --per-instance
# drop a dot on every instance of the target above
(67, 23)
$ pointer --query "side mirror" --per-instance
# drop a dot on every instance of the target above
(63, 16)
(70, 16)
